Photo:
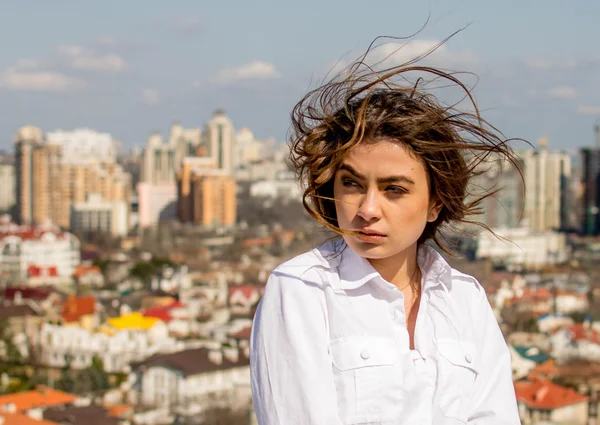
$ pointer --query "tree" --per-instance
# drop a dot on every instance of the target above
(93, 378)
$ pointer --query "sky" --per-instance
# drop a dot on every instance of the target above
(134, 67)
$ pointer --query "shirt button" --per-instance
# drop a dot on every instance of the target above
(365, 354)
(468, 358)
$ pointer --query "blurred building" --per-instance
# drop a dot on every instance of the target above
(29, 152)
(98, 215)
(157, 190)
(520, 248)
(503, 209)
(28, 251)
(206, 193)
(547, 177)
(161, 161)
(219, 140)
(590, 182)
(54, 172)
(8, 186)
(156, 202)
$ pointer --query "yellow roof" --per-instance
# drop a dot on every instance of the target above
(132, 321)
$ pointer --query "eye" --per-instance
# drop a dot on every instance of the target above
(396, 190)
(346, 182)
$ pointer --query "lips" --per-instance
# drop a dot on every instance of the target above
(371, 233)
(370, 237)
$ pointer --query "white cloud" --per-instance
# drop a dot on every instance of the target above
(25, 77)
(390, 54)
(86, 59)
(256, 70)
(563, 92)
(150, 96)
(588, 110)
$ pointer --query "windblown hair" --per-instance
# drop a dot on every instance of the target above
(365, 105)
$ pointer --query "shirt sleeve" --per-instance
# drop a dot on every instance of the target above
(290, 367)
(493, 397)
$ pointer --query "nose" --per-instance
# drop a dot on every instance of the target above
(370, 208)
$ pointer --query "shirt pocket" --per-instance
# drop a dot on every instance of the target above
(367, 378)
(457, 372)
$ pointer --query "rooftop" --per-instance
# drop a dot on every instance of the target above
(546, 395)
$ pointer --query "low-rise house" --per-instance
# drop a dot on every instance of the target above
(242, 299)
(571, 302)
(89, 276)
(550, 322)
(578, 341)
(192, 380)
(32, 251)
(532, 300)
(80, 311)
(545, 401)
(116, 346)
(524, 359)
(179, 318)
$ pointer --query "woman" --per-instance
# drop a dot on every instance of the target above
(374, 327)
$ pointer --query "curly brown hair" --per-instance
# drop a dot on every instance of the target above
(365, 105)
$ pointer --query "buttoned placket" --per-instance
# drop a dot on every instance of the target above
(424, 366)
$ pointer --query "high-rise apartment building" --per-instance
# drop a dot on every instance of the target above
(590, 182)
(547, 176)
(54, 172)
(28, 143)
(504, 209)
(161, 161)
(219, 139)
(7, 187)
(206, 193)
(157, 190)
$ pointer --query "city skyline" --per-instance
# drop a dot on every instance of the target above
(131, 70)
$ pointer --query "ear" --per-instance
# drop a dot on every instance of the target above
(434, 210)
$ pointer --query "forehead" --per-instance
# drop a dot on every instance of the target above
(383, 157)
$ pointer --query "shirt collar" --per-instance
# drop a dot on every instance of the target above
(355, 270)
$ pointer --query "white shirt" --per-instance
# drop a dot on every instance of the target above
(330, 346)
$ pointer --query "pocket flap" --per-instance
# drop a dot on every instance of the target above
(362, 351)
(459, 353)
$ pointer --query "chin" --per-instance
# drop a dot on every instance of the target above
(369, 250)
(376, 251)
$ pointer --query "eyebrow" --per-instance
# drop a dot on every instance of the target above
(381, 180)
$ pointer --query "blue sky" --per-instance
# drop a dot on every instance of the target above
(133, 67)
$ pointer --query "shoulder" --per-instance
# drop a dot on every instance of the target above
(466, 283)
(323, 257)
(303, 273)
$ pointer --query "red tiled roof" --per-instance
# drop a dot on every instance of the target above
(83, 270)
(26, 293)
(546, 395)
(246, 290)
(580, 333)
(243, 334)
(76, 307)
(119, 410)
(41, 397)
(160, 313)
(258, 242)
(29, 233)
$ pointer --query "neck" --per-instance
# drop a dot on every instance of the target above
(400, 269)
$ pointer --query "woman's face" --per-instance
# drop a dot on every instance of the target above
(382, 191)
